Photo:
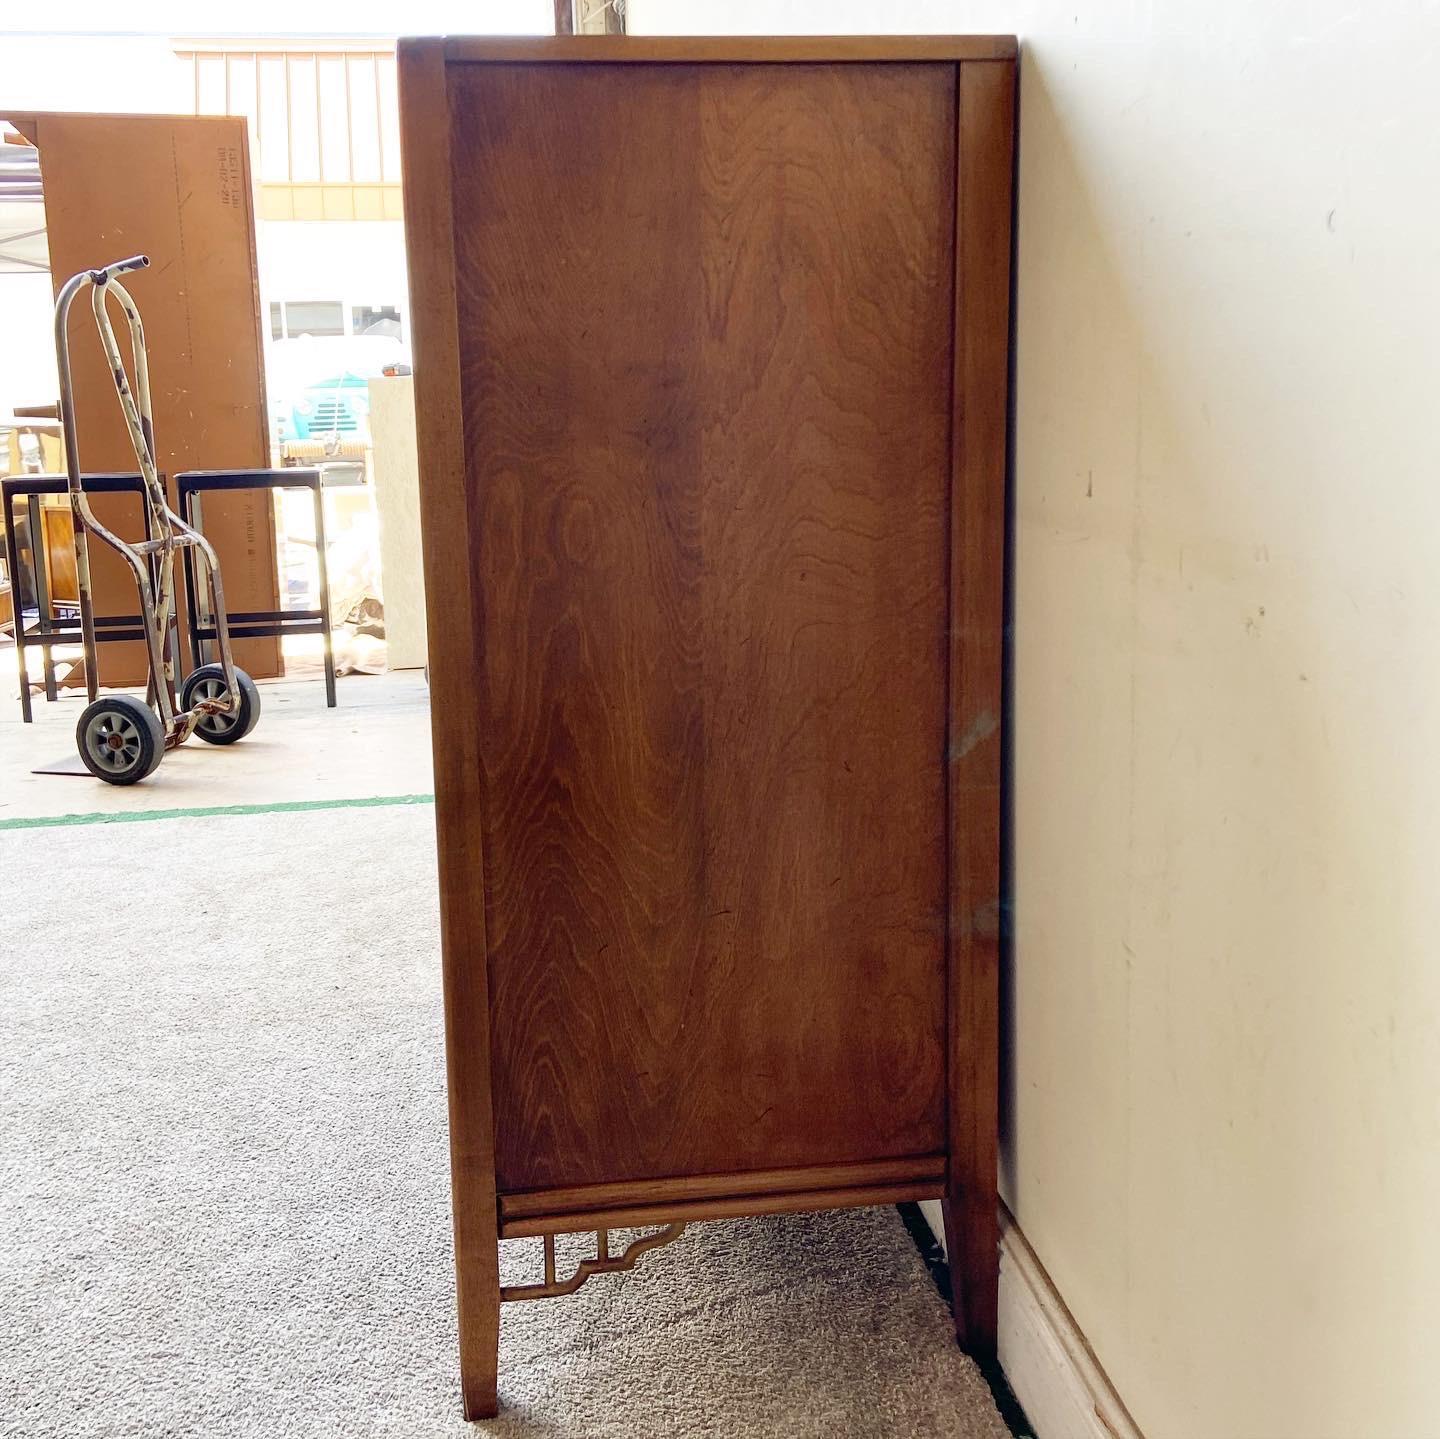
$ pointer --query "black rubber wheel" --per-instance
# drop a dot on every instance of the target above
(208, 683)
(120, 739)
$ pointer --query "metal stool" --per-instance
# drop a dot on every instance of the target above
(257, 624)
(47, 632)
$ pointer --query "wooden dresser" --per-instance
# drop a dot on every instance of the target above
(711, 350)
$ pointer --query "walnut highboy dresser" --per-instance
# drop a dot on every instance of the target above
(711, 344)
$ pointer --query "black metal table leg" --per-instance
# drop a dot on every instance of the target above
(328, 620)
(17, 611)
(204, 650)
(187, 561)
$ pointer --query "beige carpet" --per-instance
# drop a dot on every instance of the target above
(223, 1189)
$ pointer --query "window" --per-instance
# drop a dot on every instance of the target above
(314, 317)
(375, 320)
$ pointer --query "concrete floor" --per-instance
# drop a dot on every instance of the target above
(375, 742)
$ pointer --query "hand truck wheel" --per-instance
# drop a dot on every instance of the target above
(120, 739)
(208, 683)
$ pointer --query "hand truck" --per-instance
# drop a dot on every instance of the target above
(121, 738)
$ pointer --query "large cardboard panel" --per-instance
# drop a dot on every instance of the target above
(176, 188)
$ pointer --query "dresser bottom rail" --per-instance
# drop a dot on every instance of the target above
(732, 1196)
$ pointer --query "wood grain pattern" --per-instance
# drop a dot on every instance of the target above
(654, 1193)
(63, 581)
(982, 350)
(449, 546)
(708, 388)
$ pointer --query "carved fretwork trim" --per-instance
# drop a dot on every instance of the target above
(603, 1263)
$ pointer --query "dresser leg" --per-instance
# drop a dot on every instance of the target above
(972, 1239)
(477, 1265)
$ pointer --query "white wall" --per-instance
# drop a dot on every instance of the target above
(27, 348)
(1224, 1096)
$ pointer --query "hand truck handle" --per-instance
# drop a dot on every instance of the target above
(135, 262)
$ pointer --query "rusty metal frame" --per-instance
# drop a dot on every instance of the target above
(603, 1263)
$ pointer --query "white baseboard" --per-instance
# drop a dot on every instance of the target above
(1050, 1367)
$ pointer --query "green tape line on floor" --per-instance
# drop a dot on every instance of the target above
(48, 821)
